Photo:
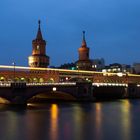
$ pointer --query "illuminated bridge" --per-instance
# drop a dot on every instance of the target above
(20, 84)
(20, 93)
(49, 75)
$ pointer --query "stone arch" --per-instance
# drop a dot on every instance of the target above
(35, 80)
(88, 79)
(17, 79)
(22, 79)
(41, 80)
(2, 78)
(45, 95)
(51, 80)
(10, 78)
(4, 101)
(29, 80)
(77, 79)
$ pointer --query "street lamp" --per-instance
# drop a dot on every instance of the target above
(78, 71)
(54, 89)
(14, 70)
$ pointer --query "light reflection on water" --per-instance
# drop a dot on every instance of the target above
(98, 120)
(126, 119)
(54, 122)
(117, 120)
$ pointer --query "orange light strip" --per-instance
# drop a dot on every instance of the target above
(134, 75)
(44, 69)
(60, 70)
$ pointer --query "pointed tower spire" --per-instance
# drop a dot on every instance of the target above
(84, 44)
(38, 57)
(84, 63)
(39, 34)
(83, 35)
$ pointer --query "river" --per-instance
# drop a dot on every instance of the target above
(108, 120)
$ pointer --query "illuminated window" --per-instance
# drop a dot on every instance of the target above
(37, 47)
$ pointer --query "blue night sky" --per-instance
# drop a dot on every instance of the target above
(112, 29)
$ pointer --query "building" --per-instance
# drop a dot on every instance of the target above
(127, 68)
(84, 63)
(117, 68)
(136, 68)
(38, 57)
(71, 66)
(98, 64)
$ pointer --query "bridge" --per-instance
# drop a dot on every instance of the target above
(51, 75)
(20, 93)
(20, 84)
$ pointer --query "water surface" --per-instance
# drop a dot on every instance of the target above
(117, 120)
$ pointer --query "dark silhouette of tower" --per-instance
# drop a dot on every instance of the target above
(84, 63)
(38, 57)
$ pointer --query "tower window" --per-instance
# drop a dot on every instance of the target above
(37, 47)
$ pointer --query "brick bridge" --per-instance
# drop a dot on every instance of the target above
(20, 93)
(28, 75)
(51, 82)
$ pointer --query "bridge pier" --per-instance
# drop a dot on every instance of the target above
(84, 91)
(133, 90)
(18, 93)
(18, 100)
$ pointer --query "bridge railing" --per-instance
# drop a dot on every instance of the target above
(109, 84)
(5, 84)
(8, 84)
(48, 84)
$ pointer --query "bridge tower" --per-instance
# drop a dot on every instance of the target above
(84, 63)
(38, 57)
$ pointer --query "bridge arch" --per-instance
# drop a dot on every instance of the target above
(4, 100)
(44, 95)
(29, 80)
(51, 80)
(22, 79)
(35, 79)
(17, 79)
(2, 78)
(77, 79)
(41, 80)
(69, 92)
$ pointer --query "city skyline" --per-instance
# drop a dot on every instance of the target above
(112, 30)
